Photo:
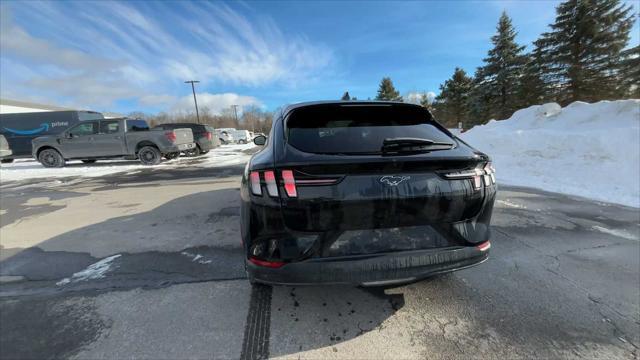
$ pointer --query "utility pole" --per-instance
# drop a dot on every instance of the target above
(194, 96)
(235, 111)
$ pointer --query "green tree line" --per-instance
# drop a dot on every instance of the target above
(582, 57)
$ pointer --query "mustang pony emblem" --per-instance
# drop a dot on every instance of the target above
(393, 180)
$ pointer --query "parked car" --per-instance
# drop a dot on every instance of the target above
(5, 150)
(93, 140)
(20, 129)
(242, 136)
(225, 136)
(203, 136)
(373, 194)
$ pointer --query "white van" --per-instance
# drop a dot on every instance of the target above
(242, 136)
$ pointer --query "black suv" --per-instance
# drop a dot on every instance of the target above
(203, 135)
(364, 193)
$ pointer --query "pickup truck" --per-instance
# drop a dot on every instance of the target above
(93, 140)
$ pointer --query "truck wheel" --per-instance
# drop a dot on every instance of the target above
(171, 156)
(89, 161)
(193, 152)
(6, 161)
(149, 155)
(51, 158)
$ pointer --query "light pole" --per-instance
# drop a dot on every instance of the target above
(194, 96)
(235, 111)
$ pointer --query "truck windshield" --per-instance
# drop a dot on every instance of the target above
(336, 129)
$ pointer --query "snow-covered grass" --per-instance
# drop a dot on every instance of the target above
(31, 169)
(590, 150)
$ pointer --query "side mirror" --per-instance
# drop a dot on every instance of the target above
(260, 140)
(68, 135)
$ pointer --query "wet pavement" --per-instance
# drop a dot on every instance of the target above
(148, 265)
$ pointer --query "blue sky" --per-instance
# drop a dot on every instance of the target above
(126, 56)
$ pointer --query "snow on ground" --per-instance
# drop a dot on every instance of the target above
(590, 150)
(31, 169)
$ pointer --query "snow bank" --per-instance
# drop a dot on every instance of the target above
(590, 150)
(31, 169)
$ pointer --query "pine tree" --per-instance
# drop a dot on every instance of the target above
(452, 104)
(345, 96)
(386, 91)
(584, 48)
(630, 73)
(533, 89)
(502, 70)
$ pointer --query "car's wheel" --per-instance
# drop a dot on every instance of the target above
(6, 161)
(171, 156)
(89, 161)
(193, 152)
(242, 141)
(149, 155)
(203, 152)
(51, 158)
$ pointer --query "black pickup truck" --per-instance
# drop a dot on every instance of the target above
(108, 139)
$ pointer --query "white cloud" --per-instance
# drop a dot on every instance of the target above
(215, 103)
(108, 51)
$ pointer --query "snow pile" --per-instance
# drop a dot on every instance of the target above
(590, 150)
(30, 169)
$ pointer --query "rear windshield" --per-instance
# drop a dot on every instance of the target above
(339, 129)
(137, 125)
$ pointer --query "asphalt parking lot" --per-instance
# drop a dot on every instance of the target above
(148, 265)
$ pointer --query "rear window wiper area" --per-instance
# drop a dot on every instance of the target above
(406, 145)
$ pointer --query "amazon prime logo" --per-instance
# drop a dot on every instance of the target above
(393, 180)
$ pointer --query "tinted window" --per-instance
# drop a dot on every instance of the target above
(109, 127)
(89, 115)
(86, 128)
(357, 129)
(137, 125)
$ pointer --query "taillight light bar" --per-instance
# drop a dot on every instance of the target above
(270, 179)
(288, 181)
(486, 172)
(254, 178)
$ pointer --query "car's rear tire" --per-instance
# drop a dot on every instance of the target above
(149, 155)
(203, 152)
(171, 156)
(6, 161)
(51, 158)
(89, 161)
(242, 141)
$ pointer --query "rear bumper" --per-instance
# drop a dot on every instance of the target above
(178, 148)
(371, 270)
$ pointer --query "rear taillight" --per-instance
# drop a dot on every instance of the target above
(254, 177)
(289, 183)
(171, 136)
(270, 179)
(477, 175)
(209, 136)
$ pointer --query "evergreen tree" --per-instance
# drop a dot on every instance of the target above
(583, 48)
(480, 100)
(630, 73)
(452, 104)
(502, 70)
(345, 96)
(386, 91)
(533, 89)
